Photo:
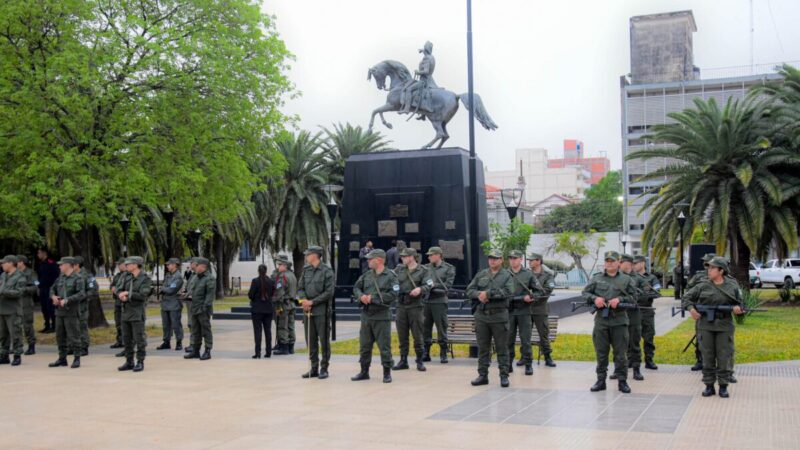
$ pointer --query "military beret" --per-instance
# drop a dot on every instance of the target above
(408, 251)
(611, 255)
(67, 260)
(435, 251)
(639, 258)
(626, 257)
(200, 260)
(314, 249)
(175, 261)
(515, 254)
(377, 253)
(134, 260)
(708, 257)
(720, 262)
(23, 259)
(535, 256)
(495, 254)
(9, 259)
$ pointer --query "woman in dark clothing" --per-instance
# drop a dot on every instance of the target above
(260, 295)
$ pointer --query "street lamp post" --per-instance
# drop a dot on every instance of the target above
(331, 190)
(681, 222)
(196, 238)
(512, 198)
(125, 223)
(169, 215)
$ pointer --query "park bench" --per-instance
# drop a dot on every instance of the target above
(461, 330)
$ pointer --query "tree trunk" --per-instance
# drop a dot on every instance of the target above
(220, 264)
(740, 261)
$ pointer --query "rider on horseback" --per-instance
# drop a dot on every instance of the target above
(425, 81)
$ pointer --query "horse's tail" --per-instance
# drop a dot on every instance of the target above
(480, 111)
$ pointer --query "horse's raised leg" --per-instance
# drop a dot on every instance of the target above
(385, 123)
(380, 110)
(439, 134)
(445, 135)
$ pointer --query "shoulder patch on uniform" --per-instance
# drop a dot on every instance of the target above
(36, 283)
(430, 282)
(396, 287)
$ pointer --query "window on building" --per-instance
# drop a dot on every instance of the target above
(636, 226)
(246, 253)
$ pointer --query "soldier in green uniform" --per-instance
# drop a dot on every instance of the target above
(204, 289)
(376, 289)
(715, 338)
(490, 291)
(634, 318)
(540, 308)
(442, 275)
(92, 293)
(171, 306)
(315, 295)
(186, 296)
(652, 292)
(119, 285)
(415, 284)
(115, 282)
(133, 296)
(284, 305)
(66, 294)
(607, 290)
(12, 288)
(698, 277)
(520, 317)
(29, 295)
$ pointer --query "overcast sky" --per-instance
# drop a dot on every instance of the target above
(547, 70)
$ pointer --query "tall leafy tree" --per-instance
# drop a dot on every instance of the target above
(600, 210)
(343, 141)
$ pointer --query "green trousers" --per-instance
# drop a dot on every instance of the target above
(9, 326)
(25, 330)
(171, 323)
(292, 337)
(634, 338)
(649, 333)
(524, 324)
(284, 324)
(410, 320)
(375, 332)
(84, 319)
(134, 338)
(486, 332)
(542, 324)
(201, 331)
(435, 314)
(605, 338)
(318, 333)
(717, 349)
(68, 335)
(118, 322)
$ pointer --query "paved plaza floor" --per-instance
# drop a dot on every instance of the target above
(232, 401)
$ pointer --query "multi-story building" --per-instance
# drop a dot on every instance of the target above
(574, 156)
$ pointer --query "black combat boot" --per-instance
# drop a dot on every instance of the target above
(387, 374)
(637, 374)
(520, 363)
(623, 387)
(58, 363)
(528, 369)
(363, 375)
(510, 368)
(116, 345)
(31, 350)
(206, 355)
(313, 373)
(277, 347)
(323, 373)
(613, 376)
(698, 365)
(600, 385)
(85, 352)
(178, 345)
(480, 381)
(426, 354)
(17, 360)
(548, 361)
(443, 353)
(723, 391)
(164, 346)
(402, 364)
(649, 364)
(420, 366)
(120, 354)
(191, 355)
(281, 349)
(189, 349)
(504, 381)
(709, 391)
(127, 366)
(291, 348)
(733, 379)
(76, 362)
(139, 366)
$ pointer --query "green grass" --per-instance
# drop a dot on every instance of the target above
(767, 336)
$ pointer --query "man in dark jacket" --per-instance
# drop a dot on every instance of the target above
(262, 288)
(47, 271)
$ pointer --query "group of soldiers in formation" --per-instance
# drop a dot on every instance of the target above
(506, 303)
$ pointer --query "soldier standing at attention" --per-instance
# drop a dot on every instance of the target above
(66, 294)
(652, 292)
(186, 296)
(29, 296)
(171, 306)
(315, 292)
(12, 288)
(634, 318)
(607, 290)
(285, 293)
(520, 310)
(541, 310)
(133, 296)
(376, 289)
(490, 290)
(442, 274)
(698, 277)
(92, 293)
(715, 339)
(203, 294)
(414, 287)
(115, 282)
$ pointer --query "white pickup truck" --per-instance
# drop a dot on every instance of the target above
(781, 273)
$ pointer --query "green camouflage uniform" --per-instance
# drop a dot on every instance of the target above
(92, 293)
(521, 312)
(68, 321)
(652, 292)
(133, 314)
(409, 309)
(12, 289)
(25, 330)
(171, 307)
(376, 317)
(284, 305)
(316, 284)
(491, 319)
(204, 290)
(635, 321)
(541, 309)
(435, 307)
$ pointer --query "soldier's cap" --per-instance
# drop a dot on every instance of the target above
(134, 260)
(708, 257)
(639, 258)
(79, 260)
(314, 249)
(67, 260)
(516, 254)
(121, 261)
(200, 260)
(193, 260)
(611, 255)
(720, 263)
(283, 259)
(625, 258)
(535, 256)
(175, 261)
(23, 259)
(408, 251)
(377, 253)
(435, 251)
(9, 259)
(495, 254)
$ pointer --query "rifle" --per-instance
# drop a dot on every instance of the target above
(693, 340)
(711, 311)
(606, 311)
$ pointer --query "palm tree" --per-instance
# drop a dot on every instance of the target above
(729, 174)
(346, 140)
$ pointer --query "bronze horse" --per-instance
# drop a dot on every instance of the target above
(443, 103)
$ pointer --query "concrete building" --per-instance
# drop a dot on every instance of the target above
(660, 83)
(574, 156)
